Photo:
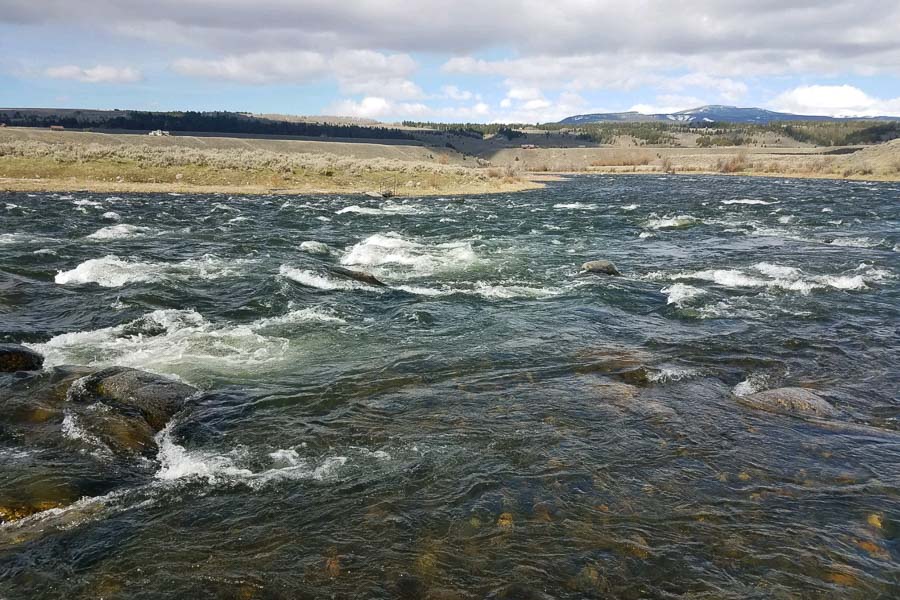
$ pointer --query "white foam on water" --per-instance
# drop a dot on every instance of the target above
(388, 208)
(321, 281)
(680, 293)
(118, 232)
(671, 374)
(178, 463)
(389, 251)
(489, 291)
(777, 277)
(630, 207)
(112, 271)
(856, 242)
(109, 271)
(670, 222)
(45, 252)
(777, 270)
(314, 247)
(11, 206)
(181, 343)
(749, 201)
(111, 216)
(299, 316)
(575, 206)
(827, 210)
(645, 235)
(91, 203)
(755, 382)
(509, 292)
(18, 238)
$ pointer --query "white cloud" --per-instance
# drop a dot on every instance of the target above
(375, 107)
(97, 74)
(667, 104)
(454, 93)
(257, 67)
(835, 100)
(358, 72)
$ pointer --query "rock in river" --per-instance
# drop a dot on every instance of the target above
(795, 401)
(356, 275)
(14, 357)
(154, 397)
(600, 267)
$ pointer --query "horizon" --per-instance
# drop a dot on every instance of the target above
(381, 61)
(401, 121)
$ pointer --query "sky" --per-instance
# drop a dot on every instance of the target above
(524, 61)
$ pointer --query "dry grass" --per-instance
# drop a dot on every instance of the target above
(187, 167)
(734, 164)
(624, 158)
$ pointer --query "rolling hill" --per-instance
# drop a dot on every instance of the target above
(713, 113)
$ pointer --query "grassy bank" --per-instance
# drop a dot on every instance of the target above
(38, 165)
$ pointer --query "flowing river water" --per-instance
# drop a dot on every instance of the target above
(489, 423)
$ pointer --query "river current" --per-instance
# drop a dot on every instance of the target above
(491, 423)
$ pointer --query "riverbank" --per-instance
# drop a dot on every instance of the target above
(35, 160)
(30, 165)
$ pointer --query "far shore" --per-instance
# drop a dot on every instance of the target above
(34, 161)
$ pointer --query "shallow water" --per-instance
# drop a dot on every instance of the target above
(489, 417)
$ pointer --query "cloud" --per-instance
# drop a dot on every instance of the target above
(257, 67)
(667, 104)
(97, 74)
(454, 93)
(358, 72)
(375, 107)
(835, 100)
(778, 32)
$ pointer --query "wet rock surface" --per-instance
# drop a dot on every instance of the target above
(154, 397)
(798, 402)
(600, 267)
(14, 357)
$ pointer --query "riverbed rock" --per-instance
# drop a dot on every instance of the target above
(519, 591)
(360, 276)
(14, 357)
(153, 397)
(600, 267)
(798, 402)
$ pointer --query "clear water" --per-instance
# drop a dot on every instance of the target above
(489, 418)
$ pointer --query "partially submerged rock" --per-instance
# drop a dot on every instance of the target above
(360, 276)
(599, 267)
(154, 397)
(798, 402)
(125, 408)
(14, 357)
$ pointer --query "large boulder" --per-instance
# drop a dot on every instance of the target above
(798, 402)
(599, 267)
(14, 357)
(153, 397)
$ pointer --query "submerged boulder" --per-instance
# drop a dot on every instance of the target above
(360, 276)
(153, 397)
(14, 357)
(599, 267)
(798, 402)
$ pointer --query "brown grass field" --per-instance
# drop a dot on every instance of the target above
(38, 159)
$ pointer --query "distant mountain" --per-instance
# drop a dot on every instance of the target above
(713, 113)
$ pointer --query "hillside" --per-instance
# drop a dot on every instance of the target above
(713, 113)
